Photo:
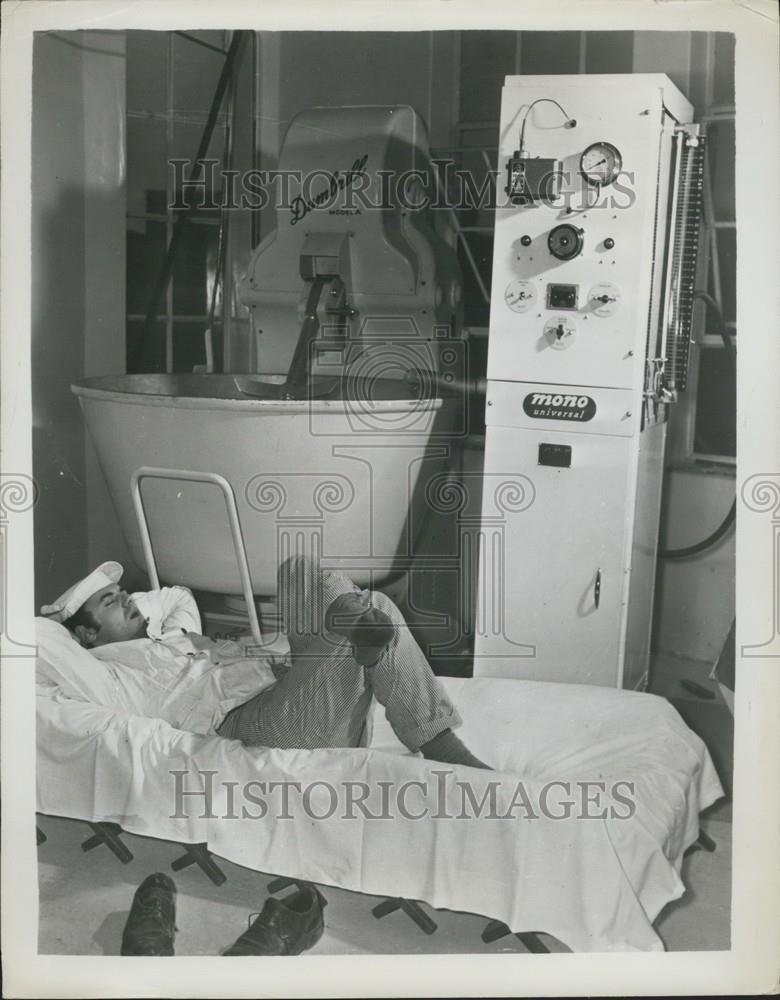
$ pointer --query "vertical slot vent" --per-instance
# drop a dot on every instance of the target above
(683, 251)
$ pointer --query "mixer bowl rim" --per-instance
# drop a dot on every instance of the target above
(94, 387)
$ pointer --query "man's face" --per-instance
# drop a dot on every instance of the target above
(115, 616)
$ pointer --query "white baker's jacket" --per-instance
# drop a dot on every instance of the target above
(176, 674)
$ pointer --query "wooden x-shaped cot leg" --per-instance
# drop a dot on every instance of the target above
(108, 834)
(200, 855)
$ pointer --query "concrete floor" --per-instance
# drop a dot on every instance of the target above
(84, 898)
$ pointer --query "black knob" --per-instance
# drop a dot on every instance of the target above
(609, 243)
(565, 241)
(525, 240)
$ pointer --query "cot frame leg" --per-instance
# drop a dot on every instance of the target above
(702, 843)
(281, 883)
(410, 908)
(108, 834)
(496, 929)
(533, 943)
(200, 855)
(706, 842)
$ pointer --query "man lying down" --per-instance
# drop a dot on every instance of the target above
(347, 646)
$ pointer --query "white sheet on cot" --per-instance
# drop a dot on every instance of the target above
(595, 884)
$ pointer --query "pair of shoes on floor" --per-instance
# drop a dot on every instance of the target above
(286, 926)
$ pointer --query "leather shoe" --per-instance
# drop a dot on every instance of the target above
(285, 927)
(151, 924)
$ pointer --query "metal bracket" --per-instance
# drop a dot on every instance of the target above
(655, 389)
(691, 132)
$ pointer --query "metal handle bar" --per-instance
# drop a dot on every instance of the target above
(190, 476)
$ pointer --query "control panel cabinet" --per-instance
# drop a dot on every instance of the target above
(591, 291)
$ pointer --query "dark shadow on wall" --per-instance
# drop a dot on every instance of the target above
(58, 319)
(71, 263)
(61, 446)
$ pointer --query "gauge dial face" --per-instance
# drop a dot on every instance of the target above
(520, 295)
(601, 163)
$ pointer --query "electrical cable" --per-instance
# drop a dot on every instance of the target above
(515, 170)
(728, 520)
(569, 123)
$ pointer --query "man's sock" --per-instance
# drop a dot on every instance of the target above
(448, 749)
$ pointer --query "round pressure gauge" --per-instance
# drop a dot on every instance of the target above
(601, 163)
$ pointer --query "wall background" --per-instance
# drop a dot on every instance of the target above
(78, 323)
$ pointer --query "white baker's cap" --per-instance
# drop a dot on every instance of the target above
(73, 598)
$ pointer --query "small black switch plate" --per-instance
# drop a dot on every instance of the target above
(562, 296)
(558, 455)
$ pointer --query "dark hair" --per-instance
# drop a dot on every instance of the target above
(81, 617)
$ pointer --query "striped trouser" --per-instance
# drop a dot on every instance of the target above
(322, 698)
